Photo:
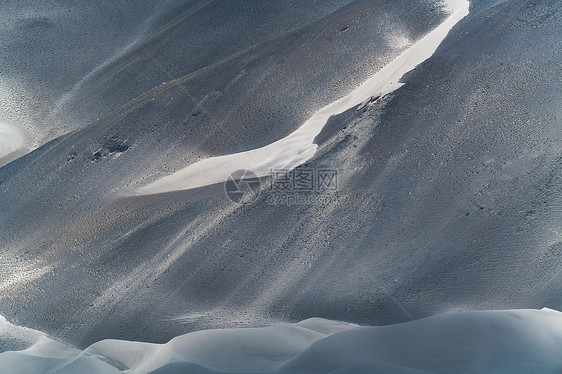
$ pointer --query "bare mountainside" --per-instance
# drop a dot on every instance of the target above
(448, 193)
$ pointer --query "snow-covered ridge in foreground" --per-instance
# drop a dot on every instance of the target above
(511, 341)
(298, 147)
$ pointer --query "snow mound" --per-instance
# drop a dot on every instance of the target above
(512, 341)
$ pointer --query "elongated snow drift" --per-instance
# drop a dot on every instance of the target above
(298, 147)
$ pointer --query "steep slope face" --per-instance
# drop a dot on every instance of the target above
(64, 65)
(448, 191)
(39, 60)
(66, 229)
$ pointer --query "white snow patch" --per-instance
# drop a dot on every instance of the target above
(397, 41)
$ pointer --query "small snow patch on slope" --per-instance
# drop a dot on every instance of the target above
(11, 141)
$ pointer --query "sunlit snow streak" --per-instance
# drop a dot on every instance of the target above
(298, 147)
